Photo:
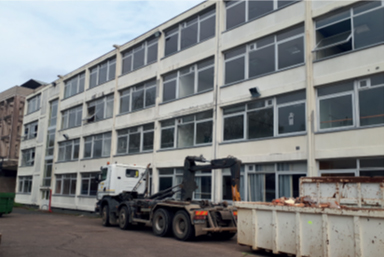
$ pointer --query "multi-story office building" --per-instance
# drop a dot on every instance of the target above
(292, 88)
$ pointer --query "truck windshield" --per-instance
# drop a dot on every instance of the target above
(104, 173)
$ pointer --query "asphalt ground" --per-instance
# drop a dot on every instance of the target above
(29, 232)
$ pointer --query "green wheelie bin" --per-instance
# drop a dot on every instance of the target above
(6, 203)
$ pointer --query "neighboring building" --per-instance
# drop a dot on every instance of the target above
(292, 88)
(11, 122)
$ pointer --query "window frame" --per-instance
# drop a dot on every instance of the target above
(65, 117)
(96, 70)
(25, 185)
(33, 104)
(60, 178)
(140, 130)
(128, 92)
(105, 137)
(79, 80)
(62, 147)
(91, 176)
(31, 157)
(130, 53)
(30, 130)
(105, 100)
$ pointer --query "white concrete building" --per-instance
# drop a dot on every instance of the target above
(291, 88)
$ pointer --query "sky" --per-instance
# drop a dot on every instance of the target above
(42, 39)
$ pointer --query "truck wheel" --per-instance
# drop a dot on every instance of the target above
(105, 216)
(162, 222)
(124, 218)
(182, 227)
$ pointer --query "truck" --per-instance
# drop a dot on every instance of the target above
(338, 217)
(124, 200)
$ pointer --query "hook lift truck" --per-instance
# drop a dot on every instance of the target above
(123, 199)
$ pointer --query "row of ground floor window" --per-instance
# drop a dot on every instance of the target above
(258, 182)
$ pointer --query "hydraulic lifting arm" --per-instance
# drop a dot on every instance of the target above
(188, 185)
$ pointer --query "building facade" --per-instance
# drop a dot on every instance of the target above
(291, 88)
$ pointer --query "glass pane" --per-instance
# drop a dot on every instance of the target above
(337, 164)
(137, 100)
(171, 44)
(204, 132)
(99, 113)
(369, 28)
(84, 186)
(204, 115)
(187, 84)
(336, 112)
(203, 190)
(107, 147)
(148, 141)
(372, 173)
(366, 5)
(122, 145)
(134, 143)
(68, 152)
(259, 8)
(291, 97)
(87, 149)
(73, 187)
(165, 183)
(94, 185)
(235, 52)
(167, 138)
(66, 185)
(76, 152)
(335, 88)
(292, 118)
(97, 148)
(262, 61)
(333, 18)
(185, 135)
(372, 163)
(282, 3)
(150, 96)
(235, 15)
(260, 123)
(270, 187)
(58, 186)
(93, 79)
(289, 185)
(235, 70)
(291, 53)
(102, 73)
(189, 36)
(124, 104)
(112, 71)
(152, 53)
(207, 28)
(290, 32)
(169, 91)
(234, 128)
(138, 58)
(371, 104)
(205, 80)
(127, 64)
(72, 118)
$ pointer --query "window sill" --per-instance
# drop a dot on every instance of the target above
(90, 159)
(60, 195)
(183, 148)
(32, 112)
(235, 141)
(199, 93)
(263, 75)
(87, 196)
(187, 47)
(335, 130)
(26, 166)
(28, 139)
(69, 128)
(259, 17)
(93, 122)
(58, 162)
(71, 96)
(126, 73)
(125, 113)
(347, 52)
(22, 193)
(90, 88)
(130, 154)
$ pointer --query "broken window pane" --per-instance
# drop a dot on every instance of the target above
(336, 112)
(260, 123)
(187, 84)
(292, 118)
(234, 127)
(262, 61)
(289, 185)
(369, 28)
(291, 53)
(185, 135)
(371, 106)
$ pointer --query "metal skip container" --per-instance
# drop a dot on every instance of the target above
(354, 228)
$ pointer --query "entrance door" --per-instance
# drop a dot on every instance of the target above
(44, 203)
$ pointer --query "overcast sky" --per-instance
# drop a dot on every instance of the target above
(43, 39)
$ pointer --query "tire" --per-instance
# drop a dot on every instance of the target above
(162, 222)
(105, 216)
(182, 227)
(223, 236)
(124, 223)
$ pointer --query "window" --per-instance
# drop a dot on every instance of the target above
(353, 103)
(350, 29)
(265, 55)
(89, 184)
(262, 180)
(370, 167)
(102, 73)
(140, 55)
(53, 113)
(33, 104)
(100, 109)
(257, 119)
(25, 184)
(72, 117)
(135, 140)
(28, 157)
(74, 85)
(189, 80)
(97, 146)
(47, 173)
(191, 130)
(203, 181)
(192, 31)
(69, 150)
(30, 130)
(138, 97)
(227, 184)
(50, 142)
(66, 184)
(239, 12)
